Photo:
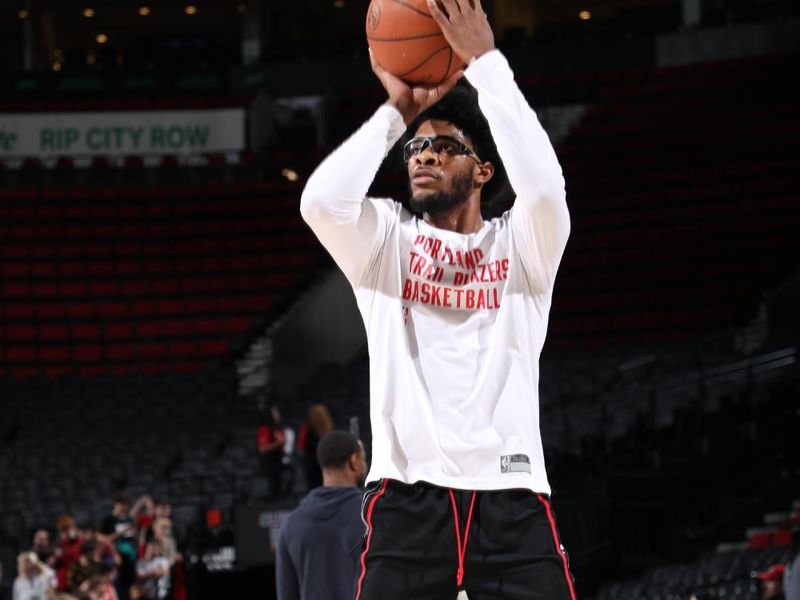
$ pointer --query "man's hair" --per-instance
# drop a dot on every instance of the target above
(65, 522)
(460, 108)
(31, 559)
(335, 449)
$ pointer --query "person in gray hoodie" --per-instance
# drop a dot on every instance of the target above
(318, 544)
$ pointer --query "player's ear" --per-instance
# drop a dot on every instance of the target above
(483, 172)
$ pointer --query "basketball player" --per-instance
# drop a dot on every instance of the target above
(455, 308)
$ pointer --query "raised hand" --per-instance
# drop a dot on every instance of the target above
(464, 25)
(411, 101)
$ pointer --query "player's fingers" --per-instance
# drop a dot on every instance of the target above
(453, 79)
(376, 68)
(381, 73)
(436, 93)
(437, 13)
(450, 7)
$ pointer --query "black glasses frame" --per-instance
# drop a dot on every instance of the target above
(429, 141)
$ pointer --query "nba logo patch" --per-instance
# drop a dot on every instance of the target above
(515, 463)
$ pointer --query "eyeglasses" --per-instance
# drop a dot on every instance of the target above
(440, 144)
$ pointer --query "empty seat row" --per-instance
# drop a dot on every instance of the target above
(46, 333)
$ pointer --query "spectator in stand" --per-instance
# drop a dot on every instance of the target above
(318, 544)
(154, 509)
(271, 440)
(152, 574)
(105, 553)
(162, 534)
(99, 586)
(46, 554)
(120, 528)
(772, 582)
(83, 568)
(32, 582)
(43, 547)
(319, 423)
(143, 512)
(68, 548)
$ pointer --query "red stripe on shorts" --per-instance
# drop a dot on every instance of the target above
(558, 545)
(369, 536)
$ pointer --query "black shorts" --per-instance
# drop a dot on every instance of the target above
(425, 542)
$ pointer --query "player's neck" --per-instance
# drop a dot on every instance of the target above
(336, 478)
(465, 218)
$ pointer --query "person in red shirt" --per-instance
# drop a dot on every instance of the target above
(68, 548)
(271, 441)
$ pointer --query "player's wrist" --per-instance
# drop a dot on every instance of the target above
(479, 54)
(403, 106)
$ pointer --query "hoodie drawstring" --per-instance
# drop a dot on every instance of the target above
(462, 550)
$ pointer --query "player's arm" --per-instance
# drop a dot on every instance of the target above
(540, 219)
(287, 583)
(334, 200)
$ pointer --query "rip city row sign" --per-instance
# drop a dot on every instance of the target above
(122, 133)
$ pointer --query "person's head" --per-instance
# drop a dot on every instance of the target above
(28, 565)
(319, 419)
(772, 581)
(121, 501)
(161, 508)
(466, 164)
(162, 528)
(96, 586)
(342, 459)
(67, 529)
(41, 539)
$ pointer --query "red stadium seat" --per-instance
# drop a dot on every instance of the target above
(120, 352)
(89, 331)
(151, 350)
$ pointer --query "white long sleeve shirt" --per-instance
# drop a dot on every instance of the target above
(35, 588)
(455, 322)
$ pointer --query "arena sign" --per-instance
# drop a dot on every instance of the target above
(122, 133)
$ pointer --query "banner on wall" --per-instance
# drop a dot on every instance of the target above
(143, 133)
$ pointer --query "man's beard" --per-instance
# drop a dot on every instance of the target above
(441, 202)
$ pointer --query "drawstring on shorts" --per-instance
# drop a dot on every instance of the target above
(462, 549)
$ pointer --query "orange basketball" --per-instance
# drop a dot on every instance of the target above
(407, 42)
